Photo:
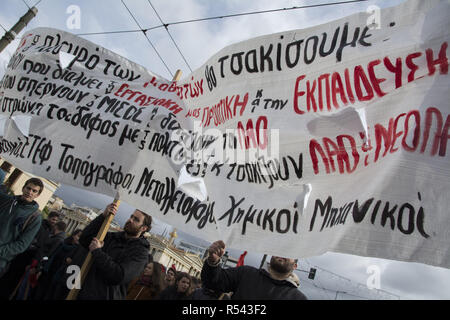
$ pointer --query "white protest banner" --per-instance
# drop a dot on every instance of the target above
(331, 138)
(99, 122)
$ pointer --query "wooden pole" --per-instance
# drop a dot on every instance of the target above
(101, 235)
(88, 261)
(177, 75)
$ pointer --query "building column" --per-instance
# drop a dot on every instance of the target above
(72, 226)
(69, 225)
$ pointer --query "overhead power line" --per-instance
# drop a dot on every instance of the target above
(26, 4)
(3, 28)
(17, 28)
(109, 32)
(360, 286)
(265, 11)
(165, 25)
(167, 29)
(145, 34)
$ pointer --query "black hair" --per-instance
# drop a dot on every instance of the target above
(53, 214)
(37, 182)
(181, 275)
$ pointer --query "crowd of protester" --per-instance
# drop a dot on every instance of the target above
(35, 259)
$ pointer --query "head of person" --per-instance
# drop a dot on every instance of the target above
(157, 277)
(76, 236)
(138, 223)
(183, 282)
(283, 266)
(170, 276)
(32, 189)
(60, 226)
(53, 218)
(148, 270)
(196, 283)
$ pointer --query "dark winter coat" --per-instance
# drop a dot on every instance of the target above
(170, 293)
(206, 294)
(38, 244)
(13, 214)
(52, 243)
(249, 283)
(58, 258)
(138, 291)
(114, 266)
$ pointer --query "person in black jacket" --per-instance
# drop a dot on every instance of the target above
(42, 242)
(51, 246)
(55, 239)
(57, 265)
(178, 291)
(117, 260)
(249, 283)
(203, 293)
(20, 222)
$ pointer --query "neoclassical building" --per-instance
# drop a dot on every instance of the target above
(76, 218)
(73, 219)
(164, 252)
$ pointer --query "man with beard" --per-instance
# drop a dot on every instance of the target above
(249, 283)
(117, 260)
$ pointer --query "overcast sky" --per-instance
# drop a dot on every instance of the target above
(338, 275)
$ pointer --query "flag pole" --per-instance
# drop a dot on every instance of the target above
(88, 261)
(101, 235)
(177, 75)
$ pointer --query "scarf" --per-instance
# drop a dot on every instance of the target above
(145, 281)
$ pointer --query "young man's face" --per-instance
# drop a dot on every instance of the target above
(53, 221)
(30, 192)
(76, 238)
(183, 284)
(135, 224)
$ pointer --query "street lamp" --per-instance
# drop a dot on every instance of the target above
(311, 273)
(17, 28)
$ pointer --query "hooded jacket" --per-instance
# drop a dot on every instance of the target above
(249, 283)
(52, 243)
(36, 248)
(114, 266)
(13, 213)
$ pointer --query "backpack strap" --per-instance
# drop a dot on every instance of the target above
(30, 219)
